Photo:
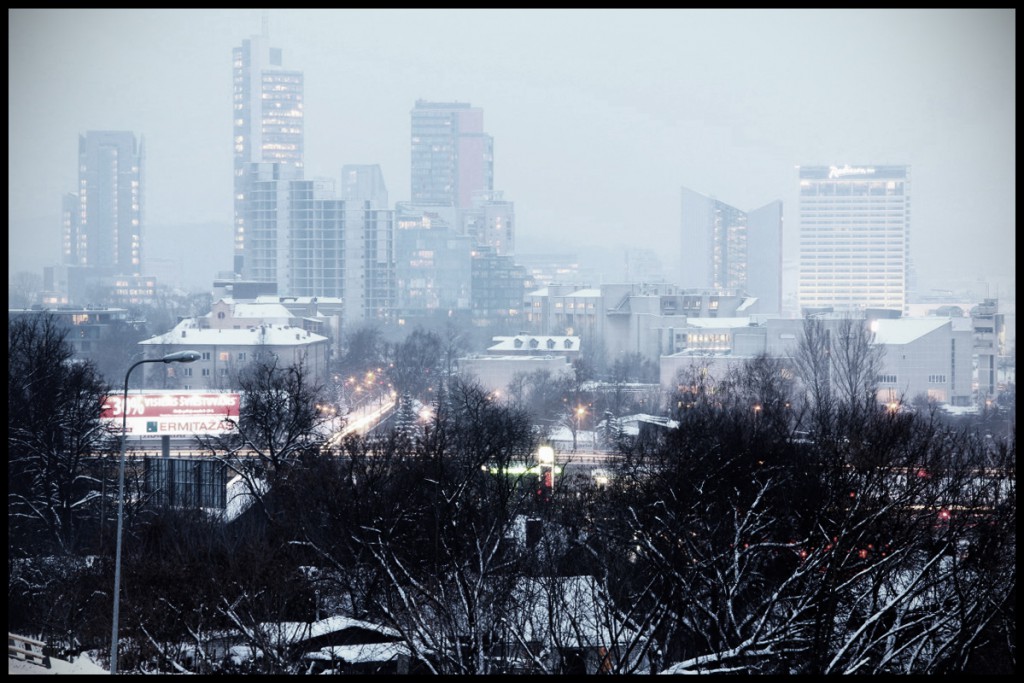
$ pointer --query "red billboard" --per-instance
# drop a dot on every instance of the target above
(171, 413)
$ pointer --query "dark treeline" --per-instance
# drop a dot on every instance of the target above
(787, 523)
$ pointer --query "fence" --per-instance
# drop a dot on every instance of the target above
(27, 649)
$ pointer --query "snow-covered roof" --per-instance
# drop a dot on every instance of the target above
(562, 434)
(276, 298)
(188, 333)
(240, 496)
(718, 322)
(635, 420)
(264, 311)
(526, 342)
(580, 616)
(288, 632)
(543, 291)
(747, 303)
(905, 330)
(579, 293)
(521, 358)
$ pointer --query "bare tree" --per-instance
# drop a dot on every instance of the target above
(855, 363)
(772, 554)
(443, 551)
(54, 433)
(812, 359)
(415, 362)
(24, 288)
(279, 424)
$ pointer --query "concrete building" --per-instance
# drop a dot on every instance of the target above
(854, 237)
(497, 289)
(626, 318)
(490, 222)
(924, 356)
(433, 263)
(89, 329)
(928, 356)
(989, 331)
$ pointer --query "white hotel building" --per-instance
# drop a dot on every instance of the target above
(854, 237)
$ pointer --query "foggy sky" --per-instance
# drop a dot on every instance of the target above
(599, 117)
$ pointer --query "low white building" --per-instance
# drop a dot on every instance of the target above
(224, 351)
(521, 354)
(495, 373)
(924, 356)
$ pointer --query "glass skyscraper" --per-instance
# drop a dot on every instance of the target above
(727, 249)
(267, 125)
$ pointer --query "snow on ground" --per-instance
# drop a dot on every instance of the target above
(80, 666)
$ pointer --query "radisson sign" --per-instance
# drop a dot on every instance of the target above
(841, 171)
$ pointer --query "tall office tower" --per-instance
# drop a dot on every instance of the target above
(265, 211)
(311, 243)
(373, 296)
(314, 246)
(854, 237)
(369, 244)
(103, 233)
(725, 248)
(452, 157)
(268, 124)
(364, 183)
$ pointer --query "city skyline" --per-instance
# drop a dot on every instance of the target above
(592, 145)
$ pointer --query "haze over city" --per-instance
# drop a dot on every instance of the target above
(512, 341)
(598, 117)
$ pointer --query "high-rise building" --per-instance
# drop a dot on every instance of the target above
(854, 237)
(727, 249)
(267, 125)
(103, 224)
(452, 157)
(433, 264)
(263, 208)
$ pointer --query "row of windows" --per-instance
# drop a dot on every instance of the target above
(204, 372)
(223, 355)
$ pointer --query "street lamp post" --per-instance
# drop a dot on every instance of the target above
(176, 357)
(580, 412)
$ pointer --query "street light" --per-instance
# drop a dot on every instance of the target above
(176, 357)
(580, 412)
